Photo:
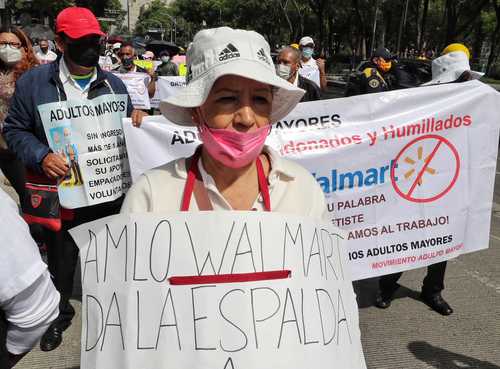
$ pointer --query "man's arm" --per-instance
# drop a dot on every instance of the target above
(322, 74)
(175, 69)
(29, 314)
(152, 82)
(19, 128)
(28, 299)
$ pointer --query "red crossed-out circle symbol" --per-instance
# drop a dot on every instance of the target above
(419, 172)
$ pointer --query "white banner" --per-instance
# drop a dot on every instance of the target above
(215, 290)
(166, 86)
(408, 173)
(137, 87)
(89, 134)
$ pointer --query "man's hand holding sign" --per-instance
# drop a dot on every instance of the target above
(55, 165)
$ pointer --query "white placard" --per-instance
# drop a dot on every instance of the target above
(89, 134)
(408, 173)
(137, 87)
(224, 290)
(165, 87)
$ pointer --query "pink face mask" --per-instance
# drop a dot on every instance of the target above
(232, 148)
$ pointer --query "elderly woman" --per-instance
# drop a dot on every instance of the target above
(16, 57)
(232, 96)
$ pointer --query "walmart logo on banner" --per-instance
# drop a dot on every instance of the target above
(339, 181)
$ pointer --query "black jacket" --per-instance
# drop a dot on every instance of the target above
(313, 92)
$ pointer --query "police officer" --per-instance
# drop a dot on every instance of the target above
(379, 75)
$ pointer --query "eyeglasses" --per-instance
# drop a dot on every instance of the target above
(16, 45)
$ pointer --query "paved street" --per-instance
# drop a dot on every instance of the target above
(408, 335)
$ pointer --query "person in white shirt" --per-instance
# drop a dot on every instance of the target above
(233, 99)
(45, 55)
(313, 69)
(28, 299)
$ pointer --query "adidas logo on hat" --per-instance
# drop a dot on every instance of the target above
(229, 52)
(261, 54)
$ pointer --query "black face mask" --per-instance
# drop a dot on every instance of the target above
(85, 54)
(127, 62)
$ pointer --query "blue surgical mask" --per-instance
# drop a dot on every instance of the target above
(307, 52)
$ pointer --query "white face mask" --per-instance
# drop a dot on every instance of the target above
(284, 71)
(10, 55)
(165, 58)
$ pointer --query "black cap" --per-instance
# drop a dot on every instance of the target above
(382, 52)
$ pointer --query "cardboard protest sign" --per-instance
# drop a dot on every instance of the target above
(165, 87)
(89, 134)
(137, 87)
(105, 62)
(246, 290)
(410, 175)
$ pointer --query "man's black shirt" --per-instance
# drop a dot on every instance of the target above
(313, 92)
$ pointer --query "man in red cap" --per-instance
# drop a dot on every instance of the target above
(75, 99)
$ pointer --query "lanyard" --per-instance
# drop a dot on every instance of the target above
(194, 184)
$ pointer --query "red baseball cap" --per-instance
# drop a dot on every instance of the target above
(77, 22)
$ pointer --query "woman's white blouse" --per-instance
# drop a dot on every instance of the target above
(291, 187)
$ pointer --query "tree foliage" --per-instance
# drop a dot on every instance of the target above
(41, 9)
(349, 27)
(355, 26)
(157, 15)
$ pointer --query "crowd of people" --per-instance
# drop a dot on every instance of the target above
(233, 104)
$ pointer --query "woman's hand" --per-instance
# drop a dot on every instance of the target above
(137, 116)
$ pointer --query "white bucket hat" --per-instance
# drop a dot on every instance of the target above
(224, 51)
(449, 67)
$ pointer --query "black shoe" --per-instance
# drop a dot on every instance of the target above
(437, 303)
(51, 339)
(384, 298)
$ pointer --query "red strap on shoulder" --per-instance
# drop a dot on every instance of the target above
(191, 179)
(264, 188)
(193, 173)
